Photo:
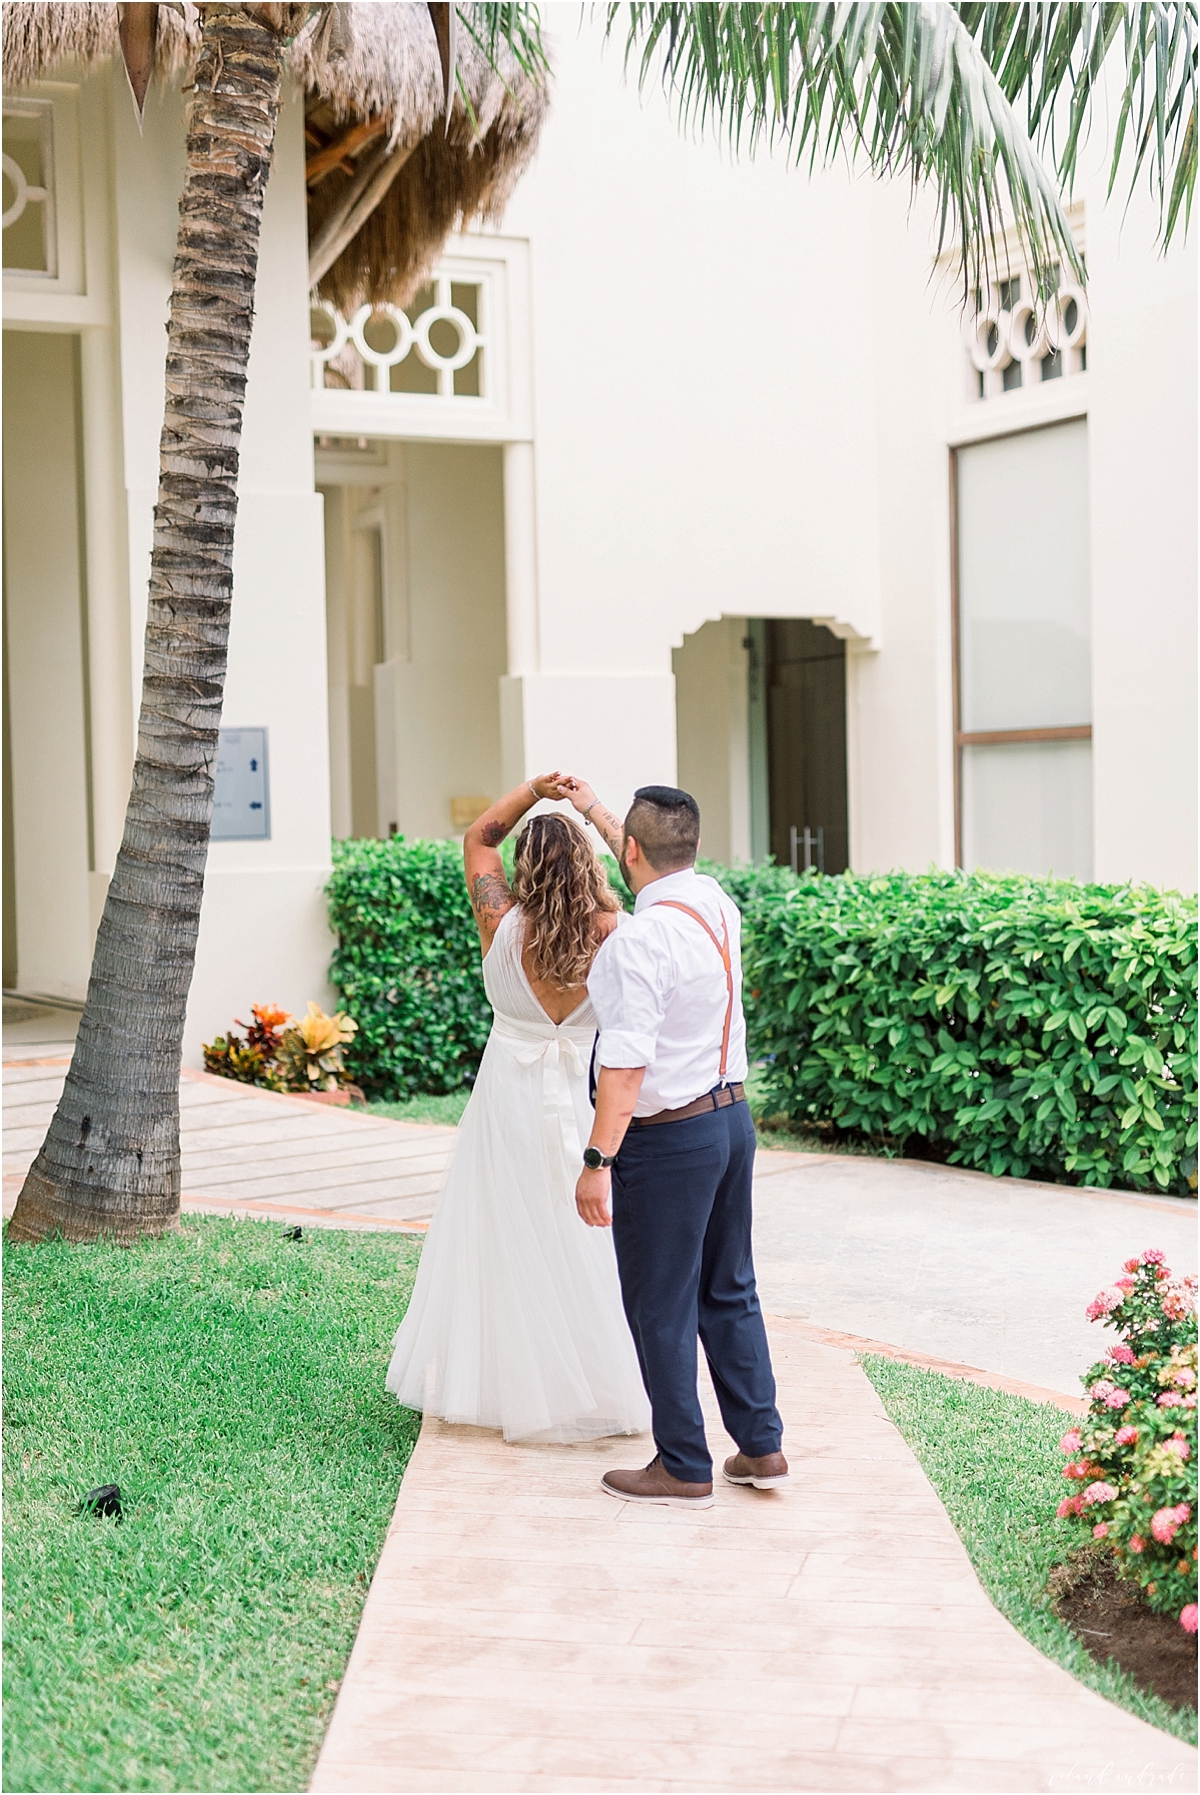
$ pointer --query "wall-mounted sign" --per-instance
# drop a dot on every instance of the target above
(242, 802)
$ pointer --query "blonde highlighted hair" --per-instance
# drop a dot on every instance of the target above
(561, 888)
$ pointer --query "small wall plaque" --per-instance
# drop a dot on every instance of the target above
(242, 802)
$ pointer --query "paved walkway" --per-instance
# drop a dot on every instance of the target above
(246, 1152)
(525, 1631)
(993, 1273)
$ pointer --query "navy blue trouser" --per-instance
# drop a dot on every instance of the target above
(681, 1227)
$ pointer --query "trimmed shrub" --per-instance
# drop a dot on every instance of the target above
(1132, 1459)
(1025, 1026)
(407, 965)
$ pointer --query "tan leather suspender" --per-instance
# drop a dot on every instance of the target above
(723, 949)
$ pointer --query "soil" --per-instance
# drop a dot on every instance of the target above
(1107, 1614)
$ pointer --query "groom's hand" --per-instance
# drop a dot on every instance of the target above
(591, 1197)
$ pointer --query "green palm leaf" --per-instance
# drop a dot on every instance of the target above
(936, 92)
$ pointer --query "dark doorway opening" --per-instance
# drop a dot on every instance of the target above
(806, 745)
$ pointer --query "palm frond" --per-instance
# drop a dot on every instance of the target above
(1052, 58)
(516, 26)
(907, 86)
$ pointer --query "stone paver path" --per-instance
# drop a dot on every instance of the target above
(993, 1272)
(253, 1153)
(525, 1631)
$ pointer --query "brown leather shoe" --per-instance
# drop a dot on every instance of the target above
(655, 1484)
(766, 1473)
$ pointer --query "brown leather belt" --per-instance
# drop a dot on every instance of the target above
(724, 1097)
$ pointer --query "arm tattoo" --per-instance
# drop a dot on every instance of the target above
(612, 830)
(490, 898)
(492, 834)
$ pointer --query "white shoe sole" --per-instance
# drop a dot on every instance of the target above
(759, 1483)
(660, 1501)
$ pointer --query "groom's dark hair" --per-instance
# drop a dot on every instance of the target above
(665, 823)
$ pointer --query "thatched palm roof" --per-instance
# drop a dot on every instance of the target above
(381, 162)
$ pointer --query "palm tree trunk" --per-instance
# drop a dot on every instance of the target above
(109, 1165)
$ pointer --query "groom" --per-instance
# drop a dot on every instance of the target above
(673, 1125)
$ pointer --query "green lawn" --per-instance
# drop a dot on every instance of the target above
(447, 1110)
(232, 1383)
(994, 1461)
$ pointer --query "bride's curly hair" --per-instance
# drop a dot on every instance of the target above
(561, 888)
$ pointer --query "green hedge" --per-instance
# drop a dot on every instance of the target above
(407, 965)
(1030, 1026)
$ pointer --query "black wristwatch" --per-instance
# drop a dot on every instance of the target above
(593, 1159)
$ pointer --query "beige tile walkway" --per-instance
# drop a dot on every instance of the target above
(524, 1631)
(254, 1153)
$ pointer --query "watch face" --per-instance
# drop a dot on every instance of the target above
(593, 1158)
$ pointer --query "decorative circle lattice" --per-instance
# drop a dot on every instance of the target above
(409, 334)
(995, 336)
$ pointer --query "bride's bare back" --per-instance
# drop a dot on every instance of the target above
(558, 1001)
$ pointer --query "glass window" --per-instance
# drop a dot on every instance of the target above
(1027, 808)
(1023, 599)
(1024, 585)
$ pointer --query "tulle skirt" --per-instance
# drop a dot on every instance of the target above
(516, 1321)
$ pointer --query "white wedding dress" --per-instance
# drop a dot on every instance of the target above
(516, 1320)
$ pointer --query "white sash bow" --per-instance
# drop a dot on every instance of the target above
(557, 1049)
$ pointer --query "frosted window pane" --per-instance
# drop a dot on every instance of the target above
(1024, 581)
(1027, 808)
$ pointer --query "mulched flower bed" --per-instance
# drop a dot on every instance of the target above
(1109, 1617)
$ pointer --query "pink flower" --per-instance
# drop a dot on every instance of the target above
(1132, 1264)
(1188, 1402)
(1125, 1284)
(1101, 1388)
(1071, 1442)
(1105, 1303)
(1178, 1445)
(1168, 1400)
(1152, 1256)
(1121, 1355)
(1099, 1492)
(1126, 1436)
(1187, 1618)
(1075, 1470)
(1178, 1303)
(1100, 1530)
(1137, 1543)
(1070, 1505)
(1183, 1376)
(1116, 1399)
(1167, 1522)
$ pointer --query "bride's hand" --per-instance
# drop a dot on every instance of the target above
(550, 785)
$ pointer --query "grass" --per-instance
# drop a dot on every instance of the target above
(994, 1461)
(232, 1383)
(425, 1108)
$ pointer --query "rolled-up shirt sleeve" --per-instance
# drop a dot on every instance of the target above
(627, 990)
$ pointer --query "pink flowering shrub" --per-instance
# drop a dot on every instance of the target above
(1131, 1462)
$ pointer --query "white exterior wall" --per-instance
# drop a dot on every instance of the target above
(746, 387)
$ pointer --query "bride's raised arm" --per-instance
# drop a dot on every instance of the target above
(487, 884)
(591, 810)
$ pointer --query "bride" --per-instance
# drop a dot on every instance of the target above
(516, 1320)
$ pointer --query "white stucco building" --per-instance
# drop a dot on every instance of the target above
(685, 474)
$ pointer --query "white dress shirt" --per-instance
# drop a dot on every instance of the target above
(658, 989)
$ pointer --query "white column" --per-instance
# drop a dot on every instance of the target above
(520, 559)
(109, 649)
